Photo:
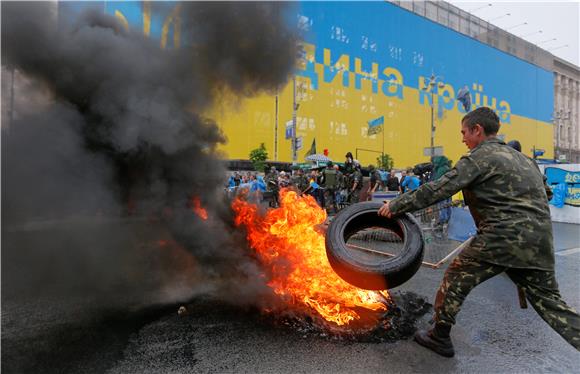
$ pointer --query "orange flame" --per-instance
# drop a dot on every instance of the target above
(288, 245)
(198, 209)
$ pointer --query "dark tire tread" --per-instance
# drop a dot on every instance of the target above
(391, 272)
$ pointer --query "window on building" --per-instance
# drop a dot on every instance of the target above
(419, 7)
(474, 26)
(454, 21)
(405, 4)
(442, 15)
(431, 11)
(473, 29)
(464, 23)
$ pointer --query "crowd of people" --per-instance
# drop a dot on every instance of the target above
(334, 186)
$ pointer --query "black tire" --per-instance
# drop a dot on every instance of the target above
(385, 274)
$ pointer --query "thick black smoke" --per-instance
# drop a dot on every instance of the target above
(121, 136)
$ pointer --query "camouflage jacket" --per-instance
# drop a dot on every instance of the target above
(357, 177)
(271, 180)
(340, 180)
(506, 195)
(300, 182)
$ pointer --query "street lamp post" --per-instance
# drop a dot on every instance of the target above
(553, 49)
(479, 8)
(433, 80)
(530, 34)
(276, 129)
(547, 41)
(499, 17)
(518, 25)
(432, 125)
(294, 108)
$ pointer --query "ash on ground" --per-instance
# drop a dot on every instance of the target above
(396, 323)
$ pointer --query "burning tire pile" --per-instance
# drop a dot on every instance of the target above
(398, 322)
(336, 295)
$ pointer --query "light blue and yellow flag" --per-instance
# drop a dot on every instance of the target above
(376, 125)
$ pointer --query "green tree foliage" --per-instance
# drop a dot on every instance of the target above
(258, 157)
(385, 162)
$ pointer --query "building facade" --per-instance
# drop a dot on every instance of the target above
(566, 111)
(566, 114)
(371, 60)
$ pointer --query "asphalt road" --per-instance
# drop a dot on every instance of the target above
(47, 333)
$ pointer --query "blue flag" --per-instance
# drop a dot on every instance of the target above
(464, 97)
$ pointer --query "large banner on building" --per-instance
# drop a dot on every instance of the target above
(367, 60)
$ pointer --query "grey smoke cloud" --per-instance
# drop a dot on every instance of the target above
(123, 134)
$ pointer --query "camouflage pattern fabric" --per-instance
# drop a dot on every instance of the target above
(357, 177)
(506, 195)
(300, 182)
(272, 182)
(303, 183)
(354, 196)
(340, 181)
(540, 286)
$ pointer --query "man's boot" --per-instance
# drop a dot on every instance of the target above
(437, 339)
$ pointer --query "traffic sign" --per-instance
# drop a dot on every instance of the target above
(298, 143)
(289, 129)
(437, 151)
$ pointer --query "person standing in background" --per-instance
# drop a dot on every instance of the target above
(411, 182)
(392, 183)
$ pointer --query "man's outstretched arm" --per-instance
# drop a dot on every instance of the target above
(461, 176)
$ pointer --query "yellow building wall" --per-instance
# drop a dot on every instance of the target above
(337, 116)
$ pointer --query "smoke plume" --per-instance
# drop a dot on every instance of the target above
(121, 138)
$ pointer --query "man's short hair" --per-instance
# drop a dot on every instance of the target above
(485, 117)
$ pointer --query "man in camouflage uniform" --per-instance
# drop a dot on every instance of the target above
(299, 180)
(505, 193)
(341, 188)
(330, 186)
(272, 185)
(355, 185)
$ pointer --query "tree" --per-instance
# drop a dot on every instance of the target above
(258, 157)
(385, 162)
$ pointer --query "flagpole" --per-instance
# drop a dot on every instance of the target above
(276, 130)
(294, 155)
(383, 156)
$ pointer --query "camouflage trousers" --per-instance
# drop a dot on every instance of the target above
(330, 198)
(540, 286)
(354, 196)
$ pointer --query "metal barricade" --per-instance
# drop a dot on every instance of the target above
(447, 229)
(441, 243)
